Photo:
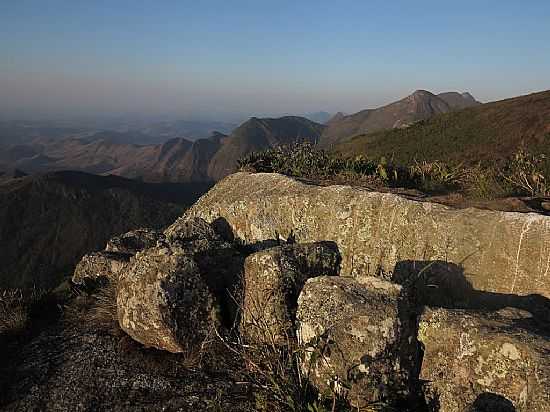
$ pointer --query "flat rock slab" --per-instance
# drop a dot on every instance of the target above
(496, 251)
(359, 338)
(492, 360)
(273, 279)
(163, 302)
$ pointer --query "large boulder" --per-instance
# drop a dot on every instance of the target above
(485, 361)
(163, 302)
(498, 251)
(107, 265)
(134, 241)
(359, 338)
(273, 279)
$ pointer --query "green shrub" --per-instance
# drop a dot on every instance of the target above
(437, 176)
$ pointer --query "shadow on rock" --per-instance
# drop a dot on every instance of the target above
(442, 284)
(491, 402)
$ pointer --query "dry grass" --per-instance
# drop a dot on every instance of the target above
(96, 312)
(16, 307)
(275, 363)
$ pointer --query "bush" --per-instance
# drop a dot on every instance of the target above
(483, 183)
(303, 160)
(436, 176)
(525, 173)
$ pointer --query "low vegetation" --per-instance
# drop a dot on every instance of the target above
(16, 309)
(522, 174)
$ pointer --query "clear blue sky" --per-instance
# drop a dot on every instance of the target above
(225, 59)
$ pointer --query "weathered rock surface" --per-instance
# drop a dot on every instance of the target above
(498, 251)
(495, 359)
(273, 279)
(163, 302)
(360, 336)
(134, 241)
(190, 229)
(96, 265)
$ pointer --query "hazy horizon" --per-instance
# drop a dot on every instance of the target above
(228, 61)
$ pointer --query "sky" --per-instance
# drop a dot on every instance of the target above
(230, 59)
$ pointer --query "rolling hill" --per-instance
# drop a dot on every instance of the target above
(418, 106)
(491, 131)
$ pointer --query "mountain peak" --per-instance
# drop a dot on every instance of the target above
(422, 93)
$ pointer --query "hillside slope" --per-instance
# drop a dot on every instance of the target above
(418, 106)
(47, 222)
(491, 131)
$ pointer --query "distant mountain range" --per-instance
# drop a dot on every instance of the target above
(418, 106)
(116, 130)
(127, 153)
(177, 160)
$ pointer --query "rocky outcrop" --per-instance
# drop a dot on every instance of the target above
(171, 288)
(97, 265)
(359, 336)
(273, 279)
(501, 252)
(433, 307)
(163, 302)
(494, 359)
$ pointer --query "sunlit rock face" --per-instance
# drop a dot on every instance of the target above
(376, 233)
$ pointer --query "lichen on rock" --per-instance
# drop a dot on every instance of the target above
(469, 354)
(359, 336)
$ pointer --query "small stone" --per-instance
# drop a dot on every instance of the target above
(190, 229)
